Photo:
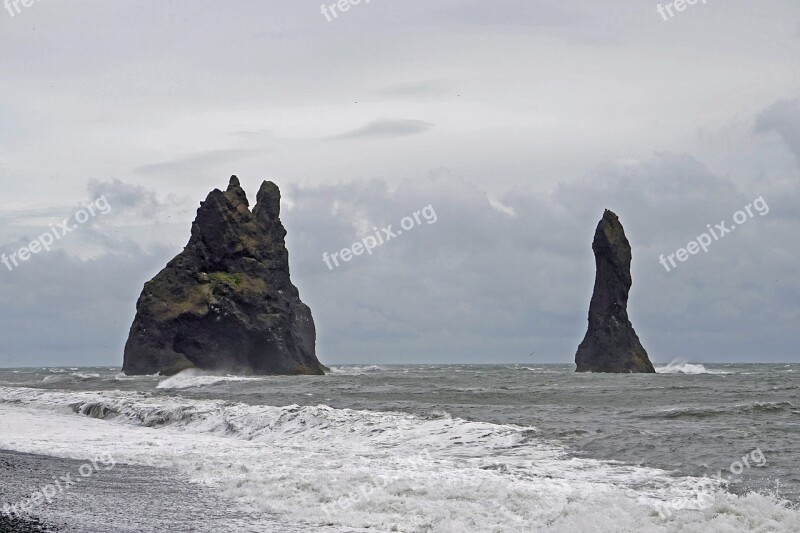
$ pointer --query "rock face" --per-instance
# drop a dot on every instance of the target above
(226, 303)
(611, 344)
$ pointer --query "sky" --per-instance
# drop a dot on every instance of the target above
(517, 122)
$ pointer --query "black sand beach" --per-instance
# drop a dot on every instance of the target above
(123, 499)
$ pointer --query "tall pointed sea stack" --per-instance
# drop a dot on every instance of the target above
(611, 344)
(226, 303)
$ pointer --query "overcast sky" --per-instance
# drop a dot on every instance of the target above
(518, 121)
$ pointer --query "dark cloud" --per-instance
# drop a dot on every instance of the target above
(79, 311)
(483, 286)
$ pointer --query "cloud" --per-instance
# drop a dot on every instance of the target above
(500, 206)
(79, 312)
(513, 13)
(198, 162)
(658, 127)
(128, 197)
(86, 287)
(387, 128)
(783, 118)
(421, 90)
(120, 226)
(482, 286)
(478, 285)
(574, 21)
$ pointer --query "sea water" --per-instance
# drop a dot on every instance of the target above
(425, 448)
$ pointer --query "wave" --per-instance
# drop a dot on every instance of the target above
(357, 370)
(85, 376)
(377, 470)
(72, 376)
(683, 367)
(193, 377)
(700, 412)
(542, 370)
(248, 422)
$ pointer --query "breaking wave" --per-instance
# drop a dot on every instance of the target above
(358, 370)
(683, 367)
(193, 377)
(384, 471)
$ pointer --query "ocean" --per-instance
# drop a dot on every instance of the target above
(413, 448)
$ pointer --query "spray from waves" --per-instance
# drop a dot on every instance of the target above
(541, 369)
(193, 377)
(382, 470)
(358, 370)
(85, 376)
(72, 377)
(679, 366)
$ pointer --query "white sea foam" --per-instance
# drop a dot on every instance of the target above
(446, 474)
(193, 377)
(56, 378)
(358, 370)
(683, 367)
(85, 376)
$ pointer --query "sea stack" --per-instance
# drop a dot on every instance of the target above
(611, 344)
(226, 302)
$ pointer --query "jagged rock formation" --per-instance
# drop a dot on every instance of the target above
(226, 303)
(611, 344)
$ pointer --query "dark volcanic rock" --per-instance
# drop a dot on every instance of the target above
(611, 344)
(226, 302)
